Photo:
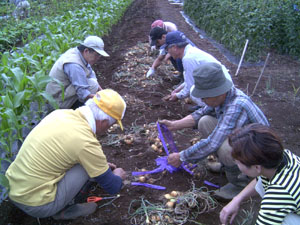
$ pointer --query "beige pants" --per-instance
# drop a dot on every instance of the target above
(206, 125)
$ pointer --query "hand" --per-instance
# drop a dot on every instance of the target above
(173, 97)
(120, 172)
(166, 98)
(170, 124)
(150, 72)
(112, 166)
(153, 48)
(229, 211)
(174, 159)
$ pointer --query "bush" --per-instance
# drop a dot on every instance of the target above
(266, 23)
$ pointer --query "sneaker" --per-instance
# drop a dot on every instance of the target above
(228, 192)
(77, 210)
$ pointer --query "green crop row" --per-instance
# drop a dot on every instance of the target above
(267, 24)
(24, 71)
(16, 32)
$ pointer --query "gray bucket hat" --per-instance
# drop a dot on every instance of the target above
(210, 81)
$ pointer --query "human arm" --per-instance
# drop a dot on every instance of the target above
(229, 117)
(229, 212)
(183, 91)
(77, 77)
(111, 181)
(173, 96)
(186, 122)
(157, 62)
(167, 57)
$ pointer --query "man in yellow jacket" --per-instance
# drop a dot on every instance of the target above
(61, 154)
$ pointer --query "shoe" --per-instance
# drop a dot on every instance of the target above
(228, 192)
(77, 210)
(215, 167)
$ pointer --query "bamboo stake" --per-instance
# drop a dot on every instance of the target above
(262, 71)
(243, 54)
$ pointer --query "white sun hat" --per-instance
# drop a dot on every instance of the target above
(96, 44)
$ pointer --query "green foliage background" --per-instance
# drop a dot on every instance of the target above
(266, 23)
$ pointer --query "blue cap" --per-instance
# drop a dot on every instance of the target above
(175, 37)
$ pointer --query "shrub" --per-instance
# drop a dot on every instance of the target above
(266, 23)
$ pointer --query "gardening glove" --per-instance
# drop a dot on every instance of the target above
(150, 72)
(153, 48)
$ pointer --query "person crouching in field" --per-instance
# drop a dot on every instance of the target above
(73, 70)
(258, 152)
(61, 154)
(226, 109)
(22, 9)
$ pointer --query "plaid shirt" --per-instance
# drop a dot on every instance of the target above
(238, 110)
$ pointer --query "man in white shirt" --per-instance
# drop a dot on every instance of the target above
(192, 57)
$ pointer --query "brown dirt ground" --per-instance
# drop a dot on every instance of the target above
(125, 71)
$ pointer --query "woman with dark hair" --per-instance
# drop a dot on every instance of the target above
(258, 152)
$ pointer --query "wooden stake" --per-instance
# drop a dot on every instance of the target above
(262, 71)
(240, 63)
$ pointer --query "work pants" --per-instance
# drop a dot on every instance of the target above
(67, 188)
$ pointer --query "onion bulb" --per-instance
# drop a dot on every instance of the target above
(170, 204)
(174, 193)
(142, 179)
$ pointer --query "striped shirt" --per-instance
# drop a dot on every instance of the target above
(237, 110)
(282, 192)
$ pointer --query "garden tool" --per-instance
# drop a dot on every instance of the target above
(96, 199)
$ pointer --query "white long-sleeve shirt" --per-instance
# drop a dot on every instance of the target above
(193, 57)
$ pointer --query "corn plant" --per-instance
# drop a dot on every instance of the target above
(24, 70)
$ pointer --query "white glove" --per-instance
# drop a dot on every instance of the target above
(150, 72)
(153, 48)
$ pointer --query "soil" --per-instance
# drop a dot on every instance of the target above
(125, 71)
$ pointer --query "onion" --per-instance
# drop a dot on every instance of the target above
(174, 193)
(154, 147)
(128, 140)
(142, 179)
(168, 196)
(170, 204)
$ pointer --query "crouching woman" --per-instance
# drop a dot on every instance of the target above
(259, 153)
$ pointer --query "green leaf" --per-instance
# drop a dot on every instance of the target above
(18, 99)
(4, 181)
(7, 102)
(50, 99)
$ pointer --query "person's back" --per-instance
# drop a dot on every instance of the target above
(47, 153)
(167, 26)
